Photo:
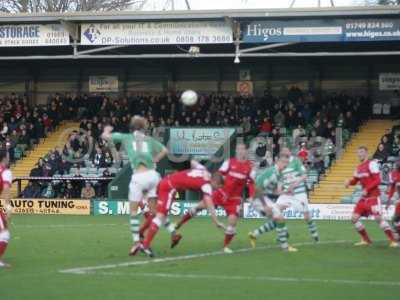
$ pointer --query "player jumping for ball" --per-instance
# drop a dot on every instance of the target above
(294, 193)
(268, 187)
(5, 193)
(368, 176)
(238, 173)
(144, 153)
(197, 179)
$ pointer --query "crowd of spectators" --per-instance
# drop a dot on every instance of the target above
(388, 149)
(297, 120)
(23, 125)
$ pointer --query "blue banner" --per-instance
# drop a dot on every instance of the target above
(338, 30)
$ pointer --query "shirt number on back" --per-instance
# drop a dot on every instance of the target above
(140, 146)
(199, 173)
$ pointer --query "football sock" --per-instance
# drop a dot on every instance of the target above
(397, 227)
(3, 247)
(361, 230)
(155, 225)
(312, 227)
(170, 227)
(146, 224)
(229, 234)
(387, 230)
(186, 217)
(228, 238)
(134, 221)
(266, 227)
(282, 232)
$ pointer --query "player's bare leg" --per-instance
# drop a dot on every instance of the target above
(312, 227)
(365, 240)
(384, 225)
(230, 232)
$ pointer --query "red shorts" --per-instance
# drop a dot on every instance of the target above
(397, 209)
(166, 196)
(368, 207)
(3, 221)
(230, 205)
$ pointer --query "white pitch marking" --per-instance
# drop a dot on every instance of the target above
(63, 226)
(84, 270)
(254, 278)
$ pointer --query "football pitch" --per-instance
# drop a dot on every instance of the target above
(74, 257)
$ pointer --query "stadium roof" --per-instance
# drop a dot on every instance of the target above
(201, 14)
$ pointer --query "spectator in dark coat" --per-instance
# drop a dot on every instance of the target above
(98, 159)
(381, 154)
(32, 190)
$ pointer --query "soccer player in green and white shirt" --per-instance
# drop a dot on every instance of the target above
(144, 152)
(268, 188)
(295, 191)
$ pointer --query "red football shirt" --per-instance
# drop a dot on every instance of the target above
(238, 174)
(368, 175)
(197, 179)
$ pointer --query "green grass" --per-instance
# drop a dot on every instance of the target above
(43, 245)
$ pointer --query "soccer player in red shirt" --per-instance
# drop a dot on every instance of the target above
(197, 179)
(238, 173)
(395, 187)
(368, 175)
(5, 185)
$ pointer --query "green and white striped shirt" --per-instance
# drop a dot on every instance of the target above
(291, 173)
(268, 180)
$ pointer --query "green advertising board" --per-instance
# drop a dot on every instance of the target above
(114, 208)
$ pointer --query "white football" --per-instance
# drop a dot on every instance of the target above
(189, 97)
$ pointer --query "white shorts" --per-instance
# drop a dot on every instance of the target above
(276, 212)
(143, 185)
(298, 202)
(4, 236)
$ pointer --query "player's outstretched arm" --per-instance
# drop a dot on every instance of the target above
(211, 209)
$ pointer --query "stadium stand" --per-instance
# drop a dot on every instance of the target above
(331, 189)
(390, 141)
(267, 123)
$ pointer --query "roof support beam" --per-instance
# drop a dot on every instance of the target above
(202, 55)
(101, 49)
(270, 46)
